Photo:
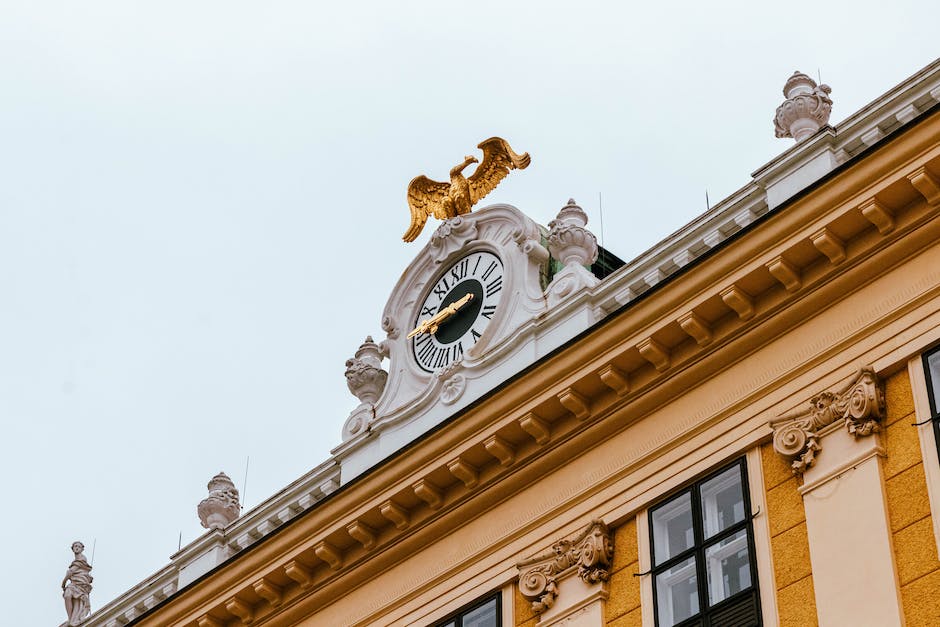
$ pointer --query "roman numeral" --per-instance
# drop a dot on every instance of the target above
(458, 350)
(428, 311)
(488, 311)
(460, 271)
(442, 357)
(427, 351)
(439, 291)
(489, 270)
(494, 286)
(475, 335)
(477, 265)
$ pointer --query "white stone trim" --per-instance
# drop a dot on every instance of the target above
(928, 442)
(647, 608)
(763, 558)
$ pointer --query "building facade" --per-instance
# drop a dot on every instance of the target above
(738, 427)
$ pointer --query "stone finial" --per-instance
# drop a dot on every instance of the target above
(366, 380)
(221, 507)
(576, 247)
(805, 110)
(76, 587)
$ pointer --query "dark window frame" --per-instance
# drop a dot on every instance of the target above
(457, 617)
(701, 544)
(934, 410)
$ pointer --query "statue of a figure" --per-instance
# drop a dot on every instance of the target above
(76, 586)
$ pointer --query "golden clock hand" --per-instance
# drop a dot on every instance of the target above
(431, 324)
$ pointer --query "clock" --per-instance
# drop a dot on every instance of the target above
(458, 320)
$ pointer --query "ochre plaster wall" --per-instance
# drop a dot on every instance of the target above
(915, 548)
(623, 607)
(796, 600)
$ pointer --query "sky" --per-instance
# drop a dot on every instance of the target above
(202, 204)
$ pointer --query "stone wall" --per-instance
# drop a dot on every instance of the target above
(915, 547)
(796, 599)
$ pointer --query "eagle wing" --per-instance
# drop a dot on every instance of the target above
(498, 160)
(425, 198)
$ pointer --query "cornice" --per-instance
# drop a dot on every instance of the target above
(496, 442)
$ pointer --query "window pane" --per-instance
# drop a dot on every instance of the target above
(933, 367)
(677, 593)
(722, 501)
(728, 567)
(483, 616)
(672, 528)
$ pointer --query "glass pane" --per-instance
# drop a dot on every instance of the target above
(933, 374)
(677, 593)
(672, 528)
(483, 616)
(728, 566)
(722, 501)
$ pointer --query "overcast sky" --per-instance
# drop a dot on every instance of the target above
(202, 203)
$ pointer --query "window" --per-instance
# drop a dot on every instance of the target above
(932, 371)
(485, 613)
(702, 542)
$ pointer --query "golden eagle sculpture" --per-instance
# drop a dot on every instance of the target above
(449, 200)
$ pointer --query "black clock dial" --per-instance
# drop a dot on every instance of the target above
(479, 274)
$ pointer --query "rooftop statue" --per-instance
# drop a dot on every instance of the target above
(76, 587)
(449, 200)
(805, 110)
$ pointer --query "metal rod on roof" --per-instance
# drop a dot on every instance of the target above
(94, 545)
(245, 482)
(600, 205)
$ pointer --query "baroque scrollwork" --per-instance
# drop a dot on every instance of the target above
(860, 405)
(591, 553)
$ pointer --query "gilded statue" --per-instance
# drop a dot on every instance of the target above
(76, 587)
(449, 200)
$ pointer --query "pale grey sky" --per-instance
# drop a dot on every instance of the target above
(202, 203)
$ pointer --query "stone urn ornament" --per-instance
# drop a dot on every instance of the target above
(221, 507)
(805, 110)
(366, 380)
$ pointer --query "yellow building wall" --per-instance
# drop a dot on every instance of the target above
(796, 599)
(623, 606)
(915, 548)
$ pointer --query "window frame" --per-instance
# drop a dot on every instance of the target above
(457, 617)
(701, 544)
(931, 399)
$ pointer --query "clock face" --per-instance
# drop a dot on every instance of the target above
(479, 274)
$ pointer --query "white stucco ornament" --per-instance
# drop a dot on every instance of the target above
(366, 380)
(805, 110)
(575, 247)
(221, 507)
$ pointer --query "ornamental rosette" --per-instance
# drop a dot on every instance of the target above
(805, 110)
(591, 553)
(860, 406)
(221, 507)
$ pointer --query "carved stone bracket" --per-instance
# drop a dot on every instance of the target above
(453, 234)
(860, 405)
(591, 553)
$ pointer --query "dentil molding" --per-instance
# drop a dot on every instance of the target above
(860, 405)
(591, 553)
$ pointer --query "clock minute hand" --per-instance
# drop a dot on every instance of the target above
(431, 324)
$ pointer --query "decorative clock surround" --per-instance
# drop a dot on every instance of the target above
(500, 321)
(590, 553)
(860, 405)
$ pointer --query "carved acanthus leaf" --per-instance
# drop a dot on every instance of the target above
(591, 553)
(860, 405)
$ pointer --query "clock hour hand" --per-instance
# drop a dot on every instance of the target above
(431, 324)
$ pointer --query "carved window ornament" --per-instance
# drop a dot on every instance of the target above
(860, 405)
(591, 553)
